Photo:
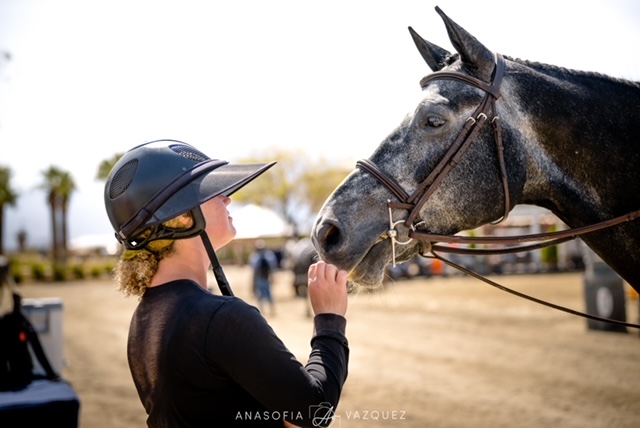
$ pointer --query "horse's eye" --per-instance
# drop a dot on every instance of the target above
(434, 121)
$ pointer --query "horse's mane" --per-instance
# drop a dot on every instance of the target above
(563, 70)
(555, 69)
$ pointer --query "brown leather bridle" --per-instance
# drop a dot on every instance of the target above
(415, 201)
(468, 134)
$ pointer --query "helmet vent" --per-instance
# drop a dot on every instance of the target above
(122, 178)
(189, 153)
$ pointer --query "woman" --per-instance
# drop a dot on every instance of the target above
(200, 359)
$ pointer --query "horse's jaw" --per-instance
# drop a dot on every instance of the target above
(370, 271)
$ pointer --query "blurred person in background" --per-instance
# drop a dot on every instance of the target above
(301, 255)
(263, 262)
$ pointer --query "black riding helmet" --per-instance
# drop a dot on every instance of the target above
(160, 180)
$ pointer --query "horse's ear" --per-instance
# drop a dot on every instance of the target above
(472, 52)
(434, 55)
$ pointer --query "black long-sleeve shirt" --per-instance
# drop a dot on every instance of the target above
(202, 360)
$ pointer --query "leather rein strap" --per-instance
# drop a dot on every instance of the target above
(530, 298)
(414, 202)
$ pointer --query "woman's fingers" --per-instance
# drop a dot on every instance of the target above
(328, 288)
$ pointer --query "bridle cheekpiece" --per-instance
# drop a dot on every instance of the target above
(415, 201)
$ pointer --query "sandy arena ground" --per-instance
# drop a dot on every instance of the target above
(442, 352)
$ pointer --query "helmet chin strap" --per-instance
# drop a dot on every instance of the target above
(221, 279)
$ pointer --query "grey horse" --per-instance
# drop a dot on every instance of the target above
(565, 140)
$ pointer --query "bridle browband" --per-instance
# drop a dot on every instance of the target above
(414, 202)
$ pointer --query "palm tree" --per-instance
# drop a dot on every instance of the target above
(59, 186)
(7, 197)
(66, 189)
(50, 185)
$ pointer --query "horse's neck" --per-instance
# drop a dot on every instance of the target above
(583, 164)
(583, 155)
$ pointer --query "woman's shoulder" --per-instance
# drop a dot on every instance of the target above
(192, 294)
(236, 306)
(227, 305)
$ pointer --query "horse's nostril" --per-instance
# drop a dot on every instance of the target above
(329, 235)
(333, 236)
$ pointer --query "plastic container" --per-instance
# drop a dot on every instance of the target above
(45, 315)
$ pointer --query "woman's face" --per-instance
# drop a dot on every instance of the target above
(219, 224)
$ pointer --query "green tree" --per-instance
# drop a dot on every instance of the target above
(106, 166)
(294, 185)
(59, 186)
(319, 182)
(8, 197)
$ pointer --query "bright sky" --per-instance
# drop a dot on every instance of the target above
(88, 79)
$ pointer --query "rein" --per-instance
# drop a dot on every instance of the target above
(415, 201)
(526, 296)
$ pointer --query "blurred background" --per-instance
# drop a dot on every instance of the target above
(314, 85)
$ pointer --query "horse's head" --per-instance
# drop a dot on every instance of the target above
(430, 173)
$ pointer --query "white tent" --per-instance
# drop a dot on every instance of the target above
(253, 221)
(105, 242)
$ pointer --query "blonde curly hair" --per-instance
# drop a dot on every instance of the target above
(136, 268)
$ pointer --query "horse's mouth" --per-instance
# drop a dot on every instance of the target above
(369, 273)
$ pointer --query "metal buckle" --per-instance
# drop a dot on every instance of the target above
(392, 233)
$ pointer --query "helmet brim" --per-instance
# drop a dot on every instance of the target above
(224, 180)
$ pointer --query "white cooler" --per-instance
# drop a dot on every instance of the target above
(45, 315)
